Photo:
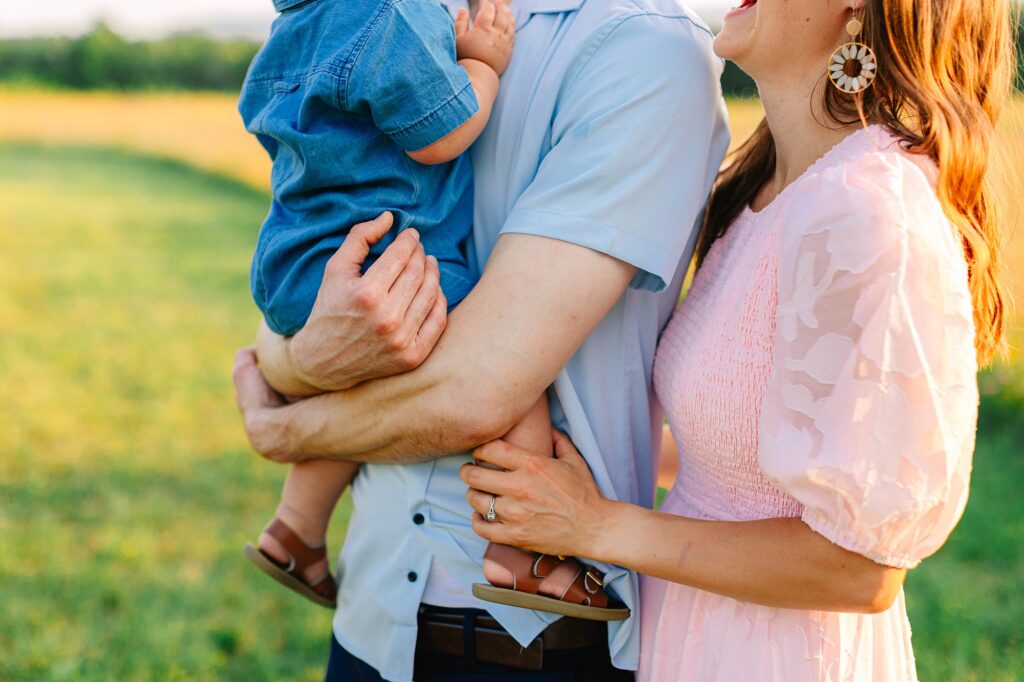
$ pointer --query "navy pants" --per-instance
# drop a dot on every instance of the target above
(580, 665)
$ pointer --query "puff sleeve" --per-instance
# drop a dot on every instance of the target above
(869, 417)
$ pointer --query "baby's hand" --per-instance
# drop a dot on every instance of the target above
(490, 38)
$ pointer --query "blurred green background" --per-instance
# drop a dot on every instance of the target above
(130, 199)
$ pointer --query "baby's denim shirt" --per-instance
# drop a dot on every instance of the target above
(338, 94)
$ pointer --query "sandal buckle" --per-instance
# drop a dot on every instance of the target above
(591, 576)
(536, 566)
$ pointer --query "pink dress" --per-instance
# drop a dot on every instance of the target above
(822, 366)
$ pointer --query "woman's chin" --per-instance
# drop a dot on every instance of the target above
(729, 46)
(737, 31)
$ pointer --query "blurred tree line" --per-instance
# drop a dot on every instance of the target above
(193, 61)
(103, 59)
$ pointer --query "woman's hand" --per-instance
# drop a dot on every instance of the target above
(365, 327)
(542, 504)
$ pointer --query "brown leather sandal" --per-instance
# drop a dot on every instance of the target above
(533, 578)
(301, 556)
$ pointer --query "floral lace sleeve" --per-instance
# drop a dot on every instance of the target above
(869, 418)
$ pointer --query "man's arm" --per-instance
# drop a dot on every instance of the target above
(612, 205)
(537, 301)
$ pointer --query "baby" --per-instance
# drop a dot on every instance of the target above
(364, 107)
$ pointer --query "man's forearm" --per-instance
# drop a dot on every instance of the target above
(536, 303)
(409, 418)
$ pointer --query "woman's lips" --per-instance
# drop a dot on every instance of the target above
(747, 4)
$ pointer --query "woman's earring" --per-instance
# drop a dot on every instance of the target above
(853, 67)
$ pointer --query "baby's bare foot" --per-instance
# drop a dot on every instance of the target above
(497, 574)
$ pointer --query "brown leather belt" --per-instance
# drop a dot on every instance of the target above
(474, 635)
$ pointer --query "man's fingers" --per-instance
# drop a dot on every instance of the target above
(434, 325)
(353, 251)
(409, 281)
(245, 356)
(389, 266)
(374, 230)
(485, 17)
(423, 303)
(462, 22)
(245, 362)
(250, 393)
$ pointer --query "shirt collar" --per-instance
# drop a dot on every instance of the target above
(546, 6)
(522, 9)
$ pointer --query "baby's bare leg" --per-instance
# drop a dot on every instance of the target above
(312, 489)
(272, 356)
(533, 433)
(310, 493)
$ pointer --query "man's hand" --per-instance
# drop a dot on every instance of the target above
(259, 404)
(491, 36)
(375, 325)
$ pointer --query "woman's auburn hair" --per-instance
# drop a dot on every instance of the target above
(945, 72)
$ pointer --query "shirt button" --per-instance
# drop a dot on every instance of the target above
(418, 519)
(412, 576)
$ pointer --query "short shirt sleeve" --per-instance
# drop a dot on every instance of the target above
(869, 417)
(407, 76)
(637, 137)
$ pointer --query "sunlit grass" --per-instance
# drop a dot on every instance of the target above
(126, 486)
(202, 129)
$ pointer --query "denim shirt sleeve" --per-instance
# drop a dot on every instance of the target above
(631, 138)
(407, 76)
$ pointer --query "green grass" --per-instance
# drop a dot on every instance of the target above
(126, 487)
(966, 603)
(127, 490)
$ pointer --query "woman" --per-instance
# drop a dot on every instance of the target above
(820, 377)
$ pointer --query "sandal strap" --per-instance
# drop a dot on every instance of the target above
(585, 587)
(302, 555)
(324, 585)
(532, 572)
(528, 569)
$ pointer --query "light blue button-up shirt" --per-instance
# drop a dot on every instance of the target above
(608, 132)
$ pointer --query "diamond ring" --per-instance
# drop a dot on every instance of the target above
(490, 515)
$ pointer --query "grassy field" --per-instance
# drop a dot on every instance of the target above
(201, 129)
(126, 487)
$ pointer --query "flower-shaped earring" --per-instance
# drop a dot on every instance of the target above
(853, 67)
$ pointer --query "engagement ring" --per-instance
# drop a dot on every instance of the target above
(491, 516)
